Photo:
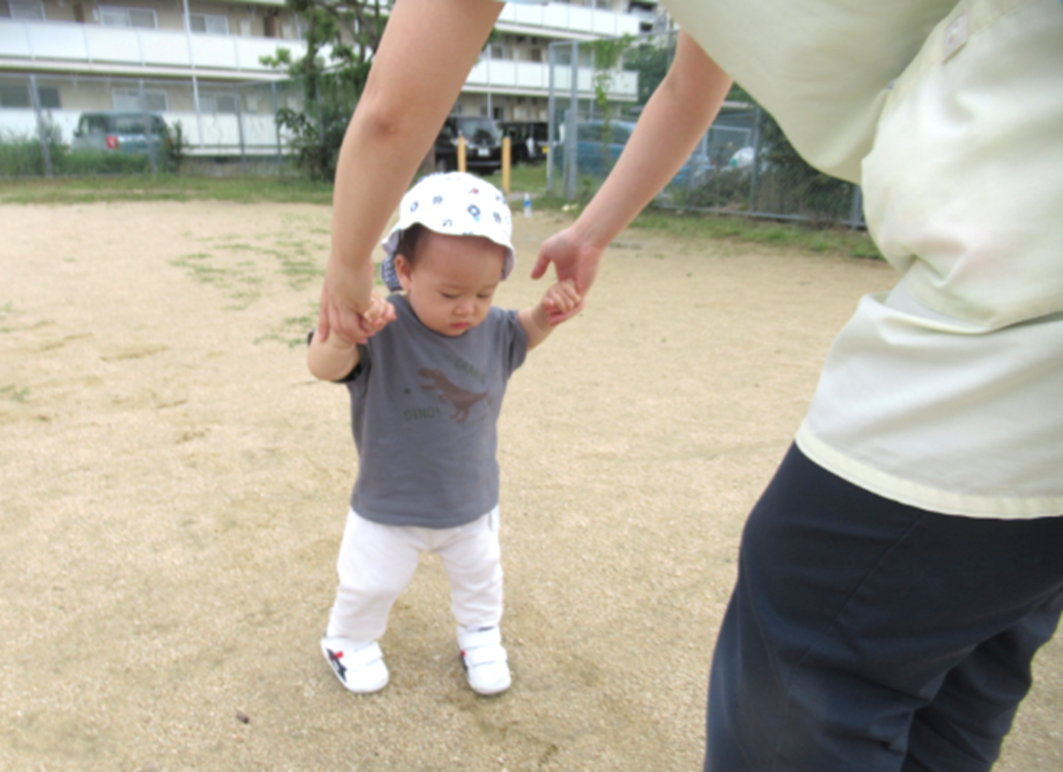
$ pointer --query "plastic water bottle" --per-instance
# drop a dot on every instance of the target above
(527, 205)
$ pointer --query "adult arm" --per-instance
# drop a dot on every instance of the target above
(424, 57)
(676, 117)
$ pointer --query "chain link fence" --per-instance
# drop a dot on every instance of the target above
(743, 165)
(54, 126)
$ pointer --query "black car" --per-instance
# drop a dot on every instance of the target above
(528, 140)
(483, 144)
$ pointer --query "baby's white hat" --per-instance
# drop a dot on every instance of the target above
(455, 204)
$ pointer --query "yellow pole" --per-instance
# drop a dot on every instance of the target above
(506, 150)
(461, 154)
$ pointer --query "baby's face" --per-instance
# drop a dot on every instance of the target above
(453, 281)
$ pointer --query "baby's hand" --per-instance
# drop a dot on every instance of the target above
(375, 318)
(559, 300)
(371, 321)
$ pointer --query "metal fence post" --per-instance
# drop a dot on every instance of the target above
(551, 120)
(199, 112)
(152, 161)
(240, 127)
(856, 208)
(571, 127)
(276, 126)
(754, 174)
(42, 130)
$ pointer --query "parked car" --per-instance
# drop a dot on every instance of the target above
(122, 132)
(529, 140)
(483, 144)
(593, 158)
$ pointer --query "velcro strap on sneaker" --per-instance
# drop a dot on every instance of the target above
(484, 655)
(362, 657)
(472, 639)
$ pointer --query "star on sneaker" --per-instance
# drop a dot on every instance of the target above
(358, 664)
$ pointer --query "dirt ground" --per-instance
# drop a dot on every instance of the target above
(174, 487)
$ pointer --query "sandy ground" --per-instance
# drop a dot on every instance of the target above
(174, 487)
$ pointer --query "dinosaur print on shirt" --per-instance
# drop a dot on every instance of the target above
(461, 399)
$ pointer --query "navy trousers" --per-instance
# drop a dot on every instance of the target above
(868, 636)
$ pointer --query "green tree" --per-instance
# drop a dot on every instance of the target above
(607, 53)
(650, 59)
(350, 32)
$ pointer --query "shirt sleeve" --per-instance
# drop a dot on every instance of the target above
(361, 367)
(515, 342)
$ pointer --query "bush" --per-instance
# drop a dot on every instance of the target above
(724, 189)
(317, 137)
(22, 156)
(89, 162)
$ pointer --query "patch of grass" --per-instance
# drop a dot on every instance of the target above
(14, 393)
(163, 187)
(292, 330)
(524, 178)
(792, 235)
(7, 310)
(240, 282)
(698, 225)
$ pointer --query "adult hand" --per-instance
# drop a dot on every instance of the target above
(344, 310)
(575, 259)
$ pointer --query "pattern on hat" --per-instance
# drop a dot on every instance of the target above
(455, 204)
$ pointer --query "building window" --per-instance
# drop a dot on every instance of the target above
(129, 99)
(218, 103)
(212, 24)
(49, 97)
(117, 16)
(18, 96)
(22, 9)
(14, 96)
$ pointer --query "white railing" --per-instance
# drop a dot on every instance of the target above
(67, 43)
(58, 43)
(524, 77)
(569, 18)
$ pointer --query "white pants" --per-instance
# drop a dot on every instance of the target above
(377, 562)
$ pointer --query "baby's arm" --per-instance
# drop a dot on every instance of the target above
(334, 358)
(539, 320)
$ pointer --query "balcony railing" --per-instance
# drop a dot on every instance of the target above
(562, 17)
(534, 77)
(67, 47)
(91, 47)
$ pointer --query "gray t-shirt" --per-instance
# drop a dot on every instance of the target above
(424, 410)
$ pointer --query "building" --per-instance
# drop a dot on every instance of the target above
(199, 62)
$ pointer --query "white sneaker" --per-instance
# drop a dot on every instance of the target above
(358, 664)
(484, 659)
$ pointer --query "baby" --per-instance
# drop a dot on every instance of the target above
(426, 392)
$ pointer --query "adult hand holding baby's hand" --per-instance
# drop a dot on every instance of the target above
(379, 314)
(344, 310)
(561, 301)
(575, 260)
